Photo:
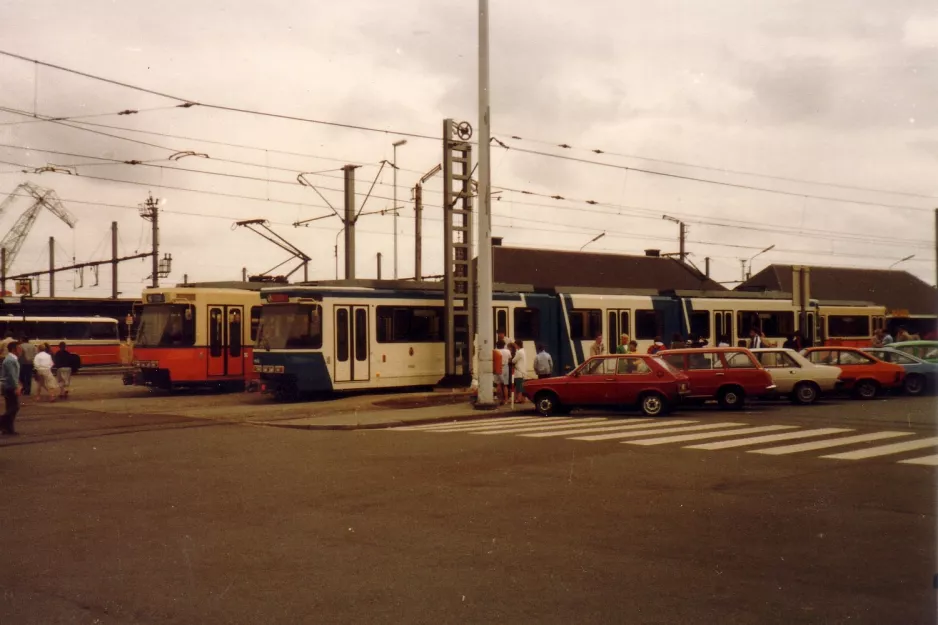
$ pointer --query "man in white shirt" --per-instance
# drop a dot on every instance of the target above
(543, 363)
(43, 366)
(755, 341)
(520, 361)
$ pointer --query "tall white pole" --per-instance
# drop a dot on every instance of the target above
(395, 210)
(486, 334)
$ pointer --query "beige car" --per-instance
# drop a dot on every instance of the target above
(796, 376)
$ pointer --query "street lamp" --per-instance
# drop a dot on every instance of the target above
(909, 257)
(594, 239)
(394, 163)
(771, 247)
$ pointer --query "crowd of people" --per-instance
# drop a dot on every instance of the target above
(24, 364)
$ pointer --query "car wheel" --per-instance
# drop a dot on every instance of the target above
(732, 398)
(914, 384)
(546, 403)
(654, 405)
(867, 389)
(805, 393)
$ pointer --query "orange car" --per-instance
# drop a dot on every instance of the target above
(861, 373)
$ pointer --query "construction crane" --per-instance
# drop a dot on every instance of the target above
(43, 198)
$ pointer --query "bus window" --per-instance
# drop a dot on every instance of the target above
(77, 330)
(103, 331)
(50, 329)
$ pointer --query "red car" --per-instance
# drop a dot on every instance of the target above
(862, 373)
(613, 380)
(727, 374)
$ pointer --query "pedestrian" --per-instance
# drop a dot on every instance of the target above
(63, 361)
(755, 339)
(45, 381)
(4, 344)
(543, 363)
(902, 334)
(877, 338)
(800, 343)
(11, 388)
(520, 362)
(887, 338)
(623, 347)
(27, 355)
(657, 346)
(633, 347)
(504, 378)
(596, 349)
(790, 343)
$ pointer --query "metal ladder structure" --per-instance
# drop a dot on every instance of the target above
(458, 278)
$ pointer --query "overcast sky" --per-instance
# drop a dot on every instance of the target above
(840, 92)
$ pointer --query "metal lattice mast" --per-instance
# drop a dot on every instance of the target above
(44, 198)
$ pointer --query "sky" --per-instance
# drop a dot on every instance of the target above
(819, 119)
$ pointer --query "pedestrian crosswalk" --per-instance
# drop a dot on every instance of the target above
(767, 439)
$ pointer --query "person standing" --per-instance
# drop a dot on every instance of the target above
(596, 349)
(43, 364)
(657, 346)
(10, 387)
(27, 355)
(504, 379)
(755, 341)
(623, 347)
(63, 360)
(633, 347)
(543, 363)
(520, 362)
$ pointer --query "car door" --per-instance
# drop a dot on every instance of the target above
(592, 384)
(633, 374)
(741, 368)
(706, 373)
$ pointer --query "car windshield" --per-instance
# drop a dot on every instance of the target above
(290, 326)
(667, 365)
(166, 325)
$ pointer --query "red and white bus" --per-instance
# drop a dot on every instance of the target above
(197, 336)
(95, 340)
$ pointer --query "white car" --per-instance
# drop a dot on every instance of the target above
(796, 376)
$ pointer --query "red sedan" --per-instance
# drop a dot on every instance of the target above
(613, 380)
(863, 374)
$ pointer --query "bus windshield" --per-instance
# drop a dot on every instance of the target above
(290, 326)
(166, 325)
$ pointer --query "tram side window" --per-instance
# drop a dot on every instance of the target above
(77, 331)
(781, 323)
(361, 334)
(527, 324)
(409, 324)
(50, 329)
(648, 325)
(700, 323)
(842, 325)
(255, 321)
(585, 325)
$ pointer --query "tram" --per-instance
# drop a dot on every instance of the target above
(197, 335)
(849, 324)
(95, 340)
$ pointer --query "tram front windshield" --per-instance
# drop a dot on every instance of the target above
(290, 326)
(166, 325)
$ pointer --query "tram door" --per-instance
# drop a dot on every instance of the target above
(225, 340)
(351, 344)
(723, 327)
(808, 328)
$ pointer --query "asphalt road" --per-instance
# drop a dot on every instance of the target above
(156, 518)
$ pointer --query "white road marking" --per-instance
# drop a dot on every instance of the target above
(452, 424)
(679, 438)
(501, 426)
(536, 428)
(637, 424)
(885, 450)
(832, 442)
(931, 461)
(771, 438)
(614, 435)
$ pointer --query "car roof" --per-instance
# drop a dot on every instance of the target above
(915, 343)
(771, 349)
(843, 348)
(697, 350)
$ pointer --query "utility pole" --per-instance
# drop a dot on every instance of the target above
(707, 266)
(379, 266)
(150, 212)
(486, 336)
(3, 268)
(394, 165)
(682, 229)
(114, 260)
(742, 273)
(51, 266)
(349, 221)
(244, 274)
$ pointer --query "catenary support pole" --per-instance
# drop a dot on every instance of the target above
(349, 221)
(683, 237)
(707, 266)
(155, 212)
(113, 260)
(3, 269)
(51, 266)
(379, 265)
(486, 336)
(418, 232)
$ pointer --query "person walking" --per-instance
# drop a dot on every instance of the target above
(45, 381)
(623, 347)
(63, 360)
(11, 388)
(520, 362)
(597, 349)
(27, 355)
(543, 363)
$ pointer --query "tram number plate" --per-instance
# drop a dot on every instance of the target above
(268, 368)
(146, 364)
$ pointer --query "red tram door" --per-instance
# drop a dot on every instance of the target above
(225, 341)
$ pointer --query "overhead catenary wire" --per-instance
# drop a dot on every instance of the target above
(188, 103)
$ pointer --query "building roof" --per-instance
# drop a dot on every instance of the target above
(549, 269)
(896, 290)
